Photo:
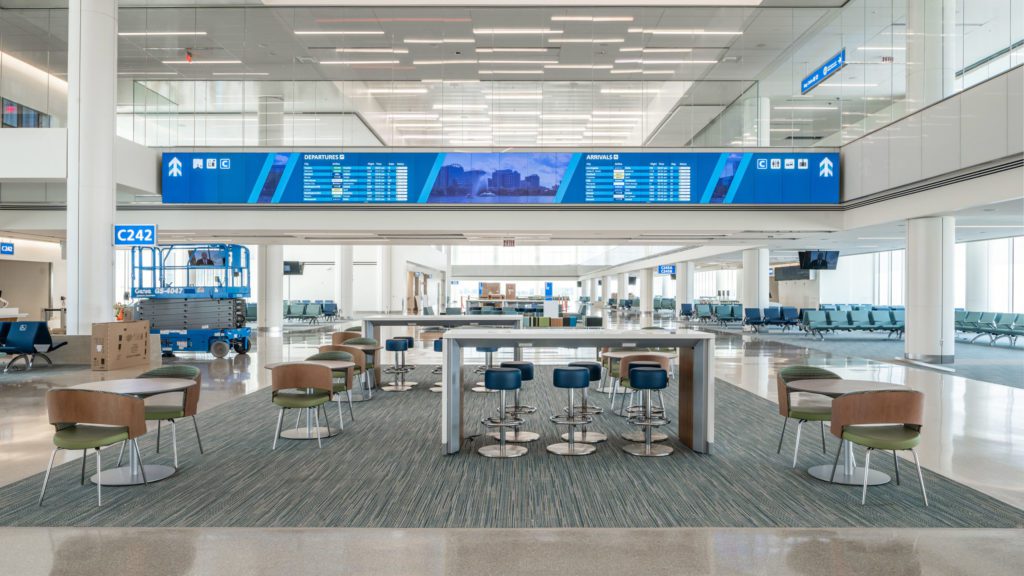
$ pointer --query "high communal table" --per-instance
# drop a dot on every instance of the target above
(373, 324)
(849, 473)
(696, 421)
(131, 474)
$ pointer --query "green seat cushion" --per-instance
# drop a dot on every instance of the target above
(300, 399)
(810, 412)
(172, 371)
(893, 437)
(83, 436)
(164, 412)
(794, 373)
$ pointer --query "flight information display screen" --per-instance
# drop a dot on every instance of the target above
(500, 178)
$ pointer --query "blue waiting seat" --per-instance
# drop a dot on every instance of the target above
(686, 310)
(752, 317)
(790, 317)
(816, 323)
(773, 316)
(26, 340)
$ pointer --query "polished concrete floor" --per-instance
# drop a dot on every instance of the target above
(974, 435)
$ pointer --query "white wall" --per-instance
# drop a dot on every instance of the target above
(35, 251)
(852, 282)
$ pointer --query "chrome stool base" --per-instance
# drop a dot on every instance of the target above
(480, 388)
(395, 388)
(644, 450)
(520, 437)
(638, 436)
(499, 451)
(437, 387)
(588, 437)
(566, 449)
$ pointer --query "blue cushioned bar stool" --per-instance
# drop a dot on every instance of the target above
(488, 364)
(516, 409)
(585, 407)
(647, 380)
(572, 379)
(502, 380)
(408, 367)
(398, 346)
(635, 407)
(437, 371)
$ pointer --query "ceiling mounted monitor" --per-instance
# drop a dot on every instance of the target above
(819, 259)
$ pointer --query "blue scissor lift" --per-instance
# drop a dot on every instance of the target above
(194, 296)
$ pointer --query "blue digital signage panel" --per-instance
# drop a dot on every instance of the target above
(501, 178)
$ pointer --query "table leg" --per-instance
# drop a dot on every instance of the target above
(848, 473)
(131, 474)
(451, 399)
(696, 427)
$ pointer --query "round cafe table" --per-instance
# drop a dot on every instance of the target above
(131, 474)
(309, 431)
(849, 473)
(606, 383)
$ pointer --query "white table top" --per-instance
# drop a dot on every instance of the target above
(141, 387)
(445, 317)
(332, 364)
(571, 334)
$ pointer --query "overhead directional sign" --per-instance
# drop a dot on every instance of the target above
(830, 67)
(7, 248)
(522, 178)
(135, 235)
(825, 168)
(666, 269)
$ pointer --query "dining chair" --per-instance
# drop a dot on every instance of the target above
(301, 387)
(804, 411)
(86, 419)
(340, 380)
(888, 420)
(171, 412)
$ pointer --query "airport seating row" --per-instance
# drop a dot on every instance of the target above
(819, 322)
(25, 341)
(785, 317)
(994, 325)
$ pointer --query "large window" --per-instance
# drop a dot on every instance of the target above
(890, 268)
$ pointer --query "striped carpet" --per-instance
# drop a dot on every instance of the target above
(387, 470)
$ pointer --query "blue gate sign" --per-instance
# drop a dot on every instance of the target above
(7, 248)
(135, 235)
(666, 269)
(549, 291)
(830, 67)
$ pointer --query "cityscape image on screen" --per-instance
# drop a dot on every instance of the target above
(499, 178)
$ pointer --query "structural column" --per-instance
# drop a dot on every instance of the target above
(270, 295)
(343, 280)
(754, 281)
(91, 195)
(606, 290)
(684, 282)
(623, 288)
(647, 290)
(929, 296)
(976, 289)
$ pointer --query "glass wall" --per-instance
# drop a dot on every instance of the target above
(33, 68)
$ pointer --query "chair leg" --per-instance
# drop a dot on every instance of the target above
(99, 478)
(341, 421)
(783, 435)
(796, 447)
(920, 477)
(159, 426)
(138, 454)
(277, 431)
(836, 463)
(351, 413)
(198, 439)
(174, 443)
(46, 477)
(327, 421)
(319, 443)
(867, 472)
(823, 449)
(896, 464)
(120, 454)
(84, 454)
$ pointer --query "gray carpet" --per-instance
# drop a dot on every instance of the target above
(386, 470)
(999, 364)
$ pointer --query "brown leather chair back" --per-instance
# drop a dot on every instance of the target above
(881, 407)
(300, 375)
(340, 337)
(358, 356)
(664, 361)
(69, 406)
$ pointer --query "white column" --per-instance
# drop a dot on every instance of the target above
(684, 282)
(929, 285)
(343, 280)
(755, 278)
(91, 193)
(270, 295)
(623, 288)
(976, 289)
(606, 290)
(647, 290)
(584, 288)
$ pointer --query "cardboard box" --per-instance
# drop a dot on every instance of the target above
(510, 291)
(117, 345)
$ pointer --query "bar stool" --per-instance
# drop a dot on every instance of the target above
(633, 408)
(438, 370)
(502, 380)
(399, 369)
(412, 346)
(585, 407)
(647, 380)
(488, 365)
(516, 409)
(572, 379)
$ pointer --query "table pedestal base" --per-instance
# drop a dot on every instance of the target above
(824, 472)
(303, 433)
(123, 476)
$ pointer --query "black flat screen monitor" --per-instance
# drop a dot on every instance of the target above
(632, 280)
(293, 268)
(819, 259)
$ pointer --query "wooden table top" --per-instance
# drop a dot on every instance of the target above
(833, 388)
(620, 354)
(141, 387)
(332, 364)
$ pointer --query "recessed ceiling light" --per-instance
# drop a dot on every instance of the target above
(438, 40)
(361, 62)
(524, 62)
(339, 32)
(442, 62)
(492, 72)
(241, 74)
(646, 61)
(155, 33)
(656, 50)
(503, 31)
(202, 62)
(373, 50)
(683, 32)
(573, 18)
(586, 40)
(579, 66)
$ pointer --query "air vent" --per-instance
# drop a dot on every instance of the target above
(305, 60)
